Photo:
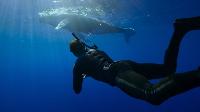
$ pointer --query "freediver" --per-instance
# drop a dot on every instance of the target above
(133, 78)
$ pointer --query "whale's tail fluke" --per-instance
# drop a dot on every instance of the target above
(128, 33)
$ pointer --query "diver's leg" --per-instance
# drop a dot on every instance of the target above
(170, 58)
(139, 87)
(132, 84)
(182, 26)
(174, 85)
(151, 70)
(171, 54)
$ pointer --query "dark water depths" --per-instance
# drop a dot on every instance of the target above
(36, 65)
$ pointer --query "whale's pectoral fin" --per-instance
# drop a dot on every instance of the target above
(62, 24)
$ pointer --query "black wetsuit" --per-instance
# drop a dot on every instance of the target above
(96, 64)
(132, 77)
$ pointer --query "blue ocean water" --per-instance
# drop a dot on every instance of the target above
(36, 65)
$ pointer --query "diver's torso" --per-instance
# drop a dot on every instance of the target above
(97, 64)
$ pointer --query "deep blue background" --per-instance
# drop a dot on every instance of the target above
(36, 65)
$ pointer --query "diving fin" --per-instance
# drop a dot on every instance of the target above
(188, 23)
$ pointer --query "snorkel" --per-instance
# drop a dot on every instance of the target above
(78, 47)
(83, 43)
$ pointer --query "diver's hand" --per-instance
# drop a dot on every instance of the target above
(77, 83)
(78, 77)
(94, 47)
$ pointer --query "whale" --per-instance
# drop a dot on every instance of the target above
(81, 24)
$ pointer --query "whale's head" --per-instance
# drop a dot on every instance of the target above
(52, 17)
